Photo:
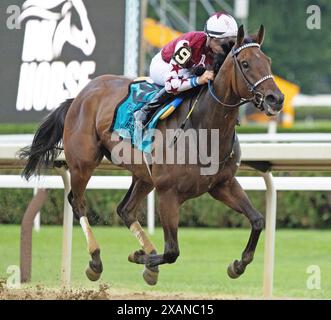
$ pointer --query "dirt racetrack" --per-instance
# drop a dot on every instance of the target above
(104, 293)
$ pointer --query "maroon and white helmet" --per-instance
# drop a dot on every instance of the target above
(221, 25)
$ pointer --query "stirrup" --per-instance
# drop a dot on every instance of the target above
(138, 123)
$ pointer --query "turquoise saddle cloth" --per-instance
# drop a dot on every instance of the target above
(139, 94)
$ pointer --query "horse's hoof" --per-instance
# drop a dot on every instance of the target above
(151, 276)
(136, 256)
(91, 274)
(232, 273)
(131, 257)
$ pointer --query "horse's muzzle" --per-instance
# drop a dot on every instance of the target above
(273, 103)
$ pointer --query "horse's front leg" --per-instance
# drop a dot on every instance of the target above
(235, 197)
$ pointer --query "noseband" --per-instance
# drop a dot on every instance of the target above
(258, 97)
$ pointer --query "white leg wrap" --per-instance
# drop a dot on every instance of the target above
(92, 244)
(139, 233)
(85, 226)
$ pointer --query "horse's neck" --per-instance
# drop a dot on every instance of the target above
(212, 115)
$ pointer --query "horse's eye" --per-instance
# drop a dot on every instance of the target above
(245, 64)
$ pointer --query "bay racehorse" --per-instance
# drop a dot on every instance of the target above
(83, 124)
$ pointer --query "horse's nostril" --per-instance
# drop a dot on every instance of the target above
(274, 99)
(271, 99)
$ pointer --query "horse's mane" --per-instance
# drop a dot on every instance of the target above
(43, 9)
(220, 58)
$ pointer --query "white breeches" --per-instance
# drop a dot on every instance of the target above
(159, 69)
(173, 77)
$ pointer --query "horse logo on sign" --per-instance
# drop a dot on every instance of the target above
(60, 26)
(49, 25)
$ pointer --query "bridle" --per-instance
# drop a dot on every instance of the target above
(258, 98)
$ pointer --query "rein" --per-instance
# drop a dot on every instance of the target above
(182, 126)
(258, 98)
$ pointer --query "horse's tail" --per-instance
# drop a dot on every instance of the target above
(45, 147)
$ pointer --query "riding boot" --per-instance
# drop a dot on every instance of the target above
(143, 115)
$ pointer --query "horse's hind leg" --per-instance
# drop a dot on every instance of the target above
(127, 210)
(81, 167)
(235, 197)
(169, 216)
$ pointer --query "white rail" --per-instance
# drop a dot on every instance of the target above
(123, 182)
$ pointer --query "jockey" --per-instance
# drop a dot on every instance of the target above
(170, 67)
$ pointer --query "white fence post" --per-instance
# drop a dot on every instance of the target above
(151, 212)
(131, 42)
(67, 232)
(36, 221)
(270, 232)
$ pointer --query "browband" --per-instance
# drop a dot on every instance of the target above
(245, 46)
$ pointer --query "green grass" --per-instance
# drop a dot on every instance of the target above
(299, 126)
(200, 269)
(19, 128)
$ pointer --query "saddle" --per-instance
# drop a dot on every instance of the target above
(141, 92)
(168, 108)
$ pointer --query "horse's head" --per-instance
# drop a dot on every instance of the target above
(251, 77)
(83, 38)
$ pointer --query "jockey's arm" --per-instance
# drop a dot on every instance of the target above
(179, 79)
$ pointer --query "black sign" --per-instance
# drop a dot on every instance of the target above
(50, 49)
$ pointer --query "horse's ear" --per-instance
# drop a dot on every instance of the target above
(260, 35)
(240, 36)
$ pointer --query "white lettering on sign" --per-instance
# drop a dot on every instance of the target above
(42, 86)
